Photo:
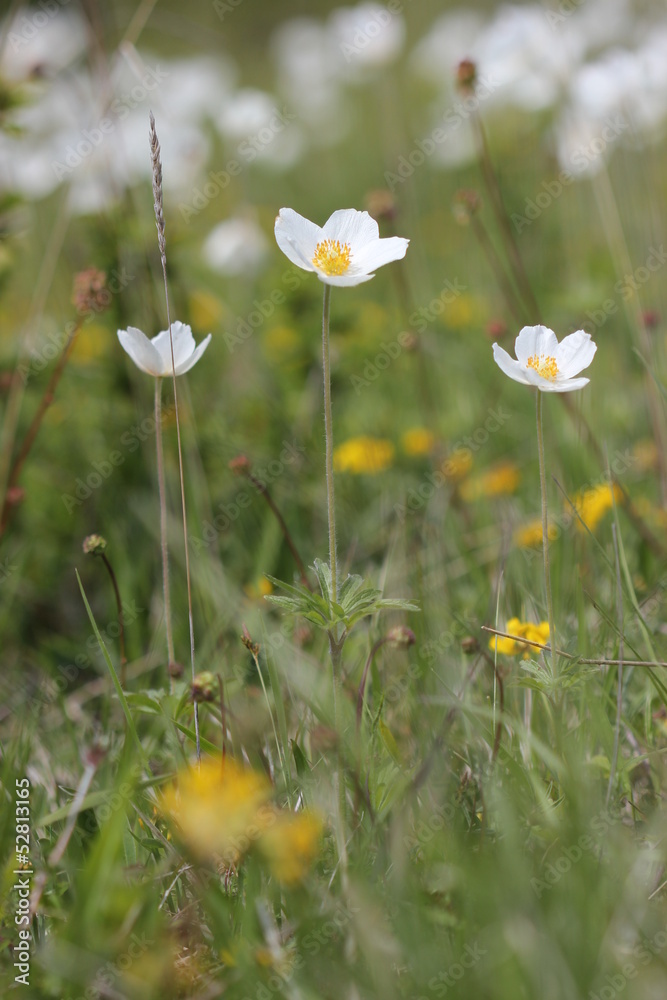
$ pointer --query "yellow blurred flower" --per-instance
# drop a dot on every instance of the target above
(529, 535)
(92, 342)
(204, 309)
(280, 343)
(418, 441)
(457, 464)
(501, 480)
(218, 808)
(527, 630)
(291, 844)
(260, 588)
(363, 455)
(223, 810)
(645, 455)
(591, 505)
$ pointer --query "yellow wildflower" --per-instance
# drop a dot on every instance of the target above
(529, 535)
(502, 479)
(457, 464)
(363, 455)
(204, 309)
(645, 455)
(291, 844)
(220, 808)
(592, 504)
(417, 441)
(281, 343)
(526, 630)
(259, 588)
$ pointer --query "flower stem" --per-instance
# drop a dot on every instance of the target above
(163, 525)
(121, 621)
(328, 432)
(545, 532)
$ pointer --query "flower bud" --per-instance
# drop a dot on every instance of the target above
(89, 293)
(94, 545)
(400, 636)
(204, 687)
(240, 465)
(466, 75)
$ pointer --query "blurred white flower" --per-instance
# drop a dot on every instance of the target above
(262, 130)
(236, 247)
(37, 43)
(154, 356)
(342, 252)
(544, 363)
(366, 36)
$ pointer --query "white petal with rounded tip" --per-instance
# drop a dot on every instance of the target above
(380, 252)
(535, 340)
(575, 352)
(343, 280)
(567, 385)
(184, 345)
(188, 363)
(297, 237)
(138, 346)
(510, 366)
(350, 226)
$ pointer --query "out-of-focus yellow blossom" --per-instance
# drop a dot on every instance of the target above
(529, 535)
(291, 844)
(418, 441)
(363, 455)
(527, 630)
(281, 343)
(92, 342)
(259, 589)
(655, 516)
(204, 309)
(645, 455)
(223, 810)
(499, 481)
(462, 312)
(591, 505)
(457, 464)
(218, 808)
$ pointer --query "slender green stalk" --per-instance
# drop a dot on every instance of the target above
(328, 432)
(335, 644)
(121, 620)
(545, 533)
(164, 544)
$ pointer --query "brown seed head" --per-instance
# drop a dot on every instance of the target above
(89, 291)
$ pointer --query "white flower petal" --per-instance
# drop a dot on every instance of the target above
(344, 280)
(138, 346)
(380, 252)
(184, 345)
(511, 367)
(575, 352)
(189, 363)
(297, 237)
(535, 340)
(567, 385)
(353, 227)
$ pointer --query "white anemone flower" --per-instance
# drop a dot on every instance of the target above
(546, 364)
(154, 356)
(343, 252)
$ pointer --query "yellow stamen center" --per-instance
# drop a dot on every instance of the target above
(544, 365)
(332, 257)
